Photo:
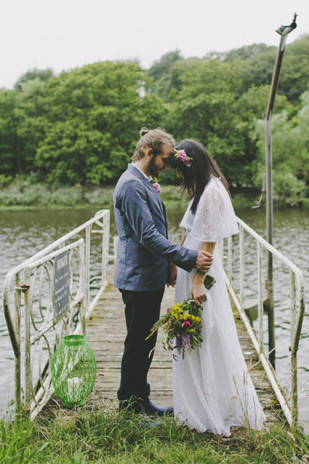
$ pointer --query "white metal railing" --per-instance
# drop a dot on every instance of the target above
(33, 328)
(297, 307)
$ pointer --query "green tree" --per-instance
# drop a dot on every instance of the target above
(294, 77)
(294, 74)
(247, 52)
(93, 116)
(290, 149)
(32, 121)
(10, 144)
(41, 74)
(160, 72)
(206, 108)
(162, 66)
(250, 107)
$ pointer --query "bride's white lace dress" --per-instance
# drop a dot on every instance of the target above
(212, 387)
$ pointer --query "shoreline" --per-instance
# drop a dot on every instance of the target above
(24, 196)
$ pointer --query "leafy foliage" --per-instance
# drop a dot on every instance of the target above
(81, 127)
(290, 147)
(33, 74)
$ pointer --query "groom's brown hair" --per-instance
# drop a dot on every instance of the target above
(154, 139)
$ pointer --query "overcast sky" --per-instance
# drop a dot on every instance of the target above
(63, 34)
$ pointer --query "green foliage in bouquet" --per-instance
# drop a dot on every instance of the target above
(182, 324)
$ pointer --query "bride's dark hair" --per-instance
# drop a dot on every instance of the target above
(197, 176)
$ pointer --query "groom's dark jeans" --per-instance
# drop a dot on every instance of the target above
(142, 310)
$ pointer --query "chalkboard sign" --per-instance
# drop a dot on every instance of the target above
(61, 285)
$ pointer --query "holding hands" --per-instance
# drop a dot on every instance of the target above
(203, 264)
(204, 261)
(172, 276)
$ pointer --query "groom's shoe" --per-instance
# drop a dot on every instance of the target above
(146, 422)
(153, 410)
(129, 408)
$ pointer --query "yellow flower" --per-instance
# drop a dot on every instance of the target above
(191, 330)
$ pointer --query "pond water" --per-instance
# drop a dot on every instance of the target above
(23, 233)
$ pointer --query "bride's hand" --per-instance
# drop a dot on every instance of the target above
(198, 292)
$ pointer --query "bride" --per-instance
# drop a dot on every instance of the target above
(213, 390)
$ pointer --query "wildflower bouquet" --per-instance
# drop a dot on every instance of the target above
(182, 324)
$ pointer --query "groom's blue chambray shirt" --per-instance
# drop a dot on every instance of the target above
(144, 252)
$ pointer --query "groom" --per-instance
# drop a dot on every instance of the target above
(146, 261)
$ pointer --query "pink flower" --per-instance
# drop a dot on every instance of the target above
(183, 157)
(186, 324)
(168, 310)
(157, 187)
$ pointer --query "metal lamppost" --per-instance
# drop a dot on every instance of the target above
(283, 31)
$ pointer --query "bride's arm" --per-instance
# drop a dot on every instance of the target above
(183, 239)
(198, 289)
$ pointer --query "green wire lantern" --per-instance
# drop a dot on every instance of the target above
(73, 370)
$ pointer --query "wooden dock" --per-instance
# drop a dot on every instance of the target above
(106, 333)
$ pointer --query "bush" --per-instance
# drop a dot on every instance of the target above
(288, 189)
(5, 180)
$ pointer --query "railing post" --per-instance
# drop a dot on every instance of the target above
(283, 31)
(83, 286)
(27, 328)
(271, 311)
(229, 257)
(105, 248)
(269, 226)
(87, 266)
(260, 296)
(292, 307)
(294, 373)
(299, 303)
(17, 297)
(294, 387)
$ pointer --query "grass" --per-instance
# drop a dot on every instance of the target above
(103, 436)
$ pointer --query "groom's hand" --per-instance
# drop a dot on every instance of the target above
(172, 275)
(204, 261)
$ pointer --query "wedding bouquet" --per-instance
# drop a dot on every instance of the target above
(182, 324)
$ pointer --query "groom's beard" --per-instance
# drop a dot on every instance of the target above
(154, 170)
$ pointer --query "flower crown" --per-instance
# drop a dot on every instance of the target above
(181, 155)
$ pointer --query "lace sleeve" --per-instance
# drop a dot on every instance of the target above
(215, 218)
